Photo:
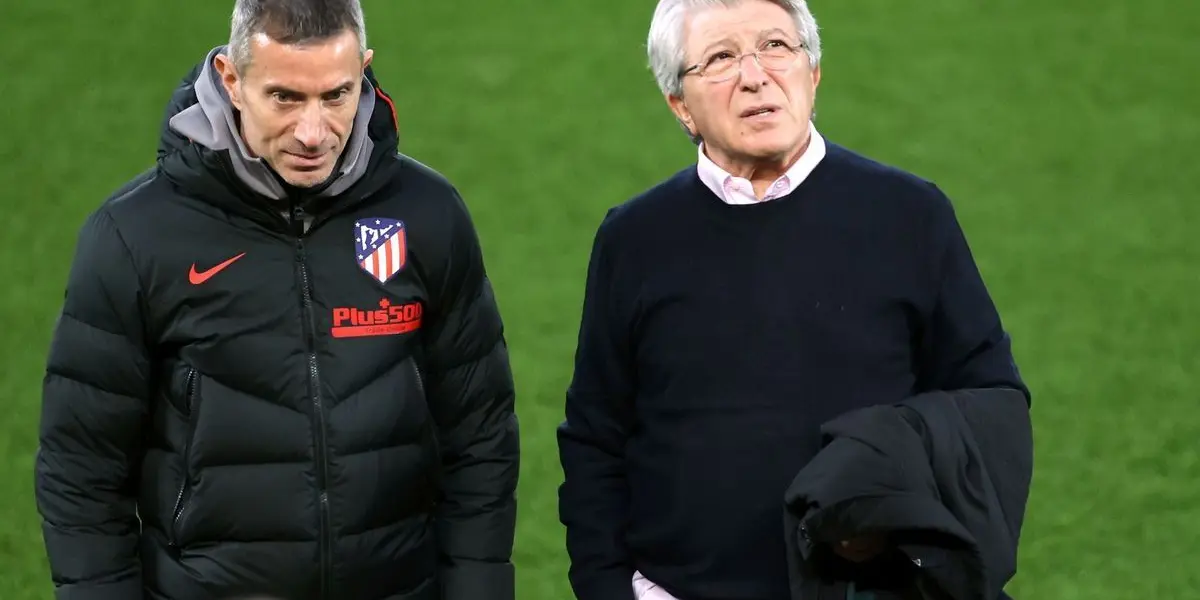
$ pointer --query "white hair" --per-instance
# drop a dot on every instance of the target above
(292, 22)
(665, 43)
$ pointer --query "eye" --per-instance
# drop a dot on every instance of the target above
(718, 57)
(283, 97)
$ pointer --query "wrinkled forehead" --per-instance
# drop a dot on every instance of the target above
(747, 23)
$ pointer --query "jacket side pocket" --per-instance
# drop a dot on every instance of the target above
(183, 496)
(435, 472)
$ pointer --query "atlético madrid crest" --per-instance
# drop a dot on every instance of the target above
(381, 247)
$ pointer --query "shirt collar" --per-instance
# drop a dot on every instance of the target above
(737, 190)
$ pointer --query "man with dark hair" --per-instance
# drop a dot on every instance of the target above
(280, 369)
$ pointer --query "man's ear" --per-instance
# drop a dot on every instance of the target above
(370, 54)
(229, 79)
(679, 107)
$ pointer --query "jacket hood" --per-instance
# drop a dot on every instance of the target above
(201, 150)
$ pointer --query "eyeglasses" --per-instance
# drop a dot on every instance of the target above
(723, 65)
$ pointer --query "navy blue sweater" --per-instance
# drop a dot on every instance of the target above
(716, 339)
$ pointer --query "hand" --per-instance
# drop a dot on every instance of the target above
(861, 548)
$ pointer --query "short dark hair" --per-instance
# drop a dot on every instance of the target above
(292, 22)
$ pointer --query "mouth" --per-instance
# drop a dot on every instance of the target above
(307, 160)
(759, 111)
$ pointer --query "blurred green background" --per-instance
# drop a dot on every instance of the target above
(1065, 131)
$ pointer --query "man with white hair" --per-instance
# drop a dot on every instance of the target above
(734, 308)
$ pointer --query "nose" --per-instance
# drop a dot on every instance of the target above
(310, 129)
(753, 74)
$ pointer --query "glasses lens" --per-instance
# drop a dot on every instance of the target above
(721, 70)
(776, 58)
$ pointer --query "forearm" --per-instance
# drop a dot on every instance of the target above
(594, 509)
(85, 465)
(476, 518)
(91, 562)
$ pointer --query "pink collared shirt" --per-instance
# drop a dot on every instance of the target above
(737, 190)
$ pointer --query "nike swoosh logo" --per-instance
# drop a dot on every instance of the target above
(199, 277)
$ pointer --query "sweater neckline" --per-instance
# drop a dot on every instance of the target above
(803, 193)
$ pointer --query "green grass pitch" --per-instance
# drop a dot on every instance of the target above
(1066, 133)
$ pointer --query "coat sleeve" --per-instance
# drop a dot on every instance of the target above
(472, 398)
(963, 343)
(95, 400)
(593, 501)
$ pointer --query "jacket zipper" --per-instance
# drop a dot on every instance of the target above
(324, 542)
(180, 505)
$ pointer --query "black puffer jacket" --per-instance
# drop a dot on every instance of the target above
(235, 404)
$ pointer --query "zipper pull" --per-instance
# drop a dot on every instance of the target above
(297, 219)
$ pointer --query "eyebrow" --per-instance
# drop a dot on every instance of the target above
(775, 30)
(279, 89)
(761, 35)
